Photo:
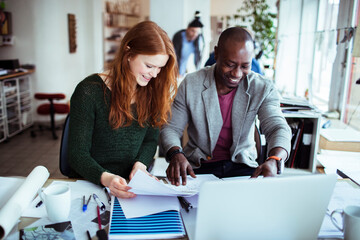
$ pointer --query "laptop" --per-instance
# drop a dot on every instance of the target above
(288, 208)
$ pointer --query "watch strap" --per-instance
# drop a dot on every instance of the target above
(278, 163)
(170, 155)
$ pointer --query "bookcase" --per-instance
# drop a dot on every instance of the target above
(119, 17)
(15, 106)
(304, 144)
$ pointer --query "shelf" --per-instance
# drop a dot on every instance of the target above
(117, 20)
(113, 40)
(118, 26)
(123, 13)
(15, 105)
(308, 129)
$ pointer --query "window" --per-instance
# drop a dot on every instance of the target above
(314, 53)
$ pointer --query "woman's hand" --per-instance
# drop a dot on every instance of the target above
(139, 166)
(117, 185)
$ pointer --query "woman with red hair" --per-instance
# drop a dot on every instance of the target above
(115, 116)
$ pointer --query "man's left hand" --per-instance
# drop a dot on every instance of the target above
(267, 169)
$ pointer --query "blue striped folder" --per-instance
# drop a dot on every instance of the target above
(162, 225)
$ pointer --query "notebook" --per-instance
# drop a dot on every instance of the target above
(163, 225)
(288, 208)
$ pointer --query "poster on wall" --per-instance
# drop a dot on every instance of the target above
(72, 32)
(5, 23)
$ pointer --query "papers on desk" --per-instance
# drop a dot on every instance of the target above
(347, 162)
(344, 194)
(143, 184)
(149, 190)
(140, 218)
(21, 198)
(81, 221)
(347, 134)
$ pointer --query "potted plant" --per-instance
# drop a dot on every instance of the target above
(256, 15)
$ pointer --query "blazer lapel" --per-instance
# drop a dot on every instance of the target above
(212, 109)
(239, 110)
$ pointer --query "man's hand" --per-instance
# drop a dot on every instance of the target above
(267, 169)
(117, 185)
(179, 166)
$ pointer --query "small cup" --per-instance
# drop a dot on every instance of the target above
(351, 222)
(57, 201)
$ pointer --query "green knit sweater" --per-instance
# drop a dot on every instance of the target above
(94, 147)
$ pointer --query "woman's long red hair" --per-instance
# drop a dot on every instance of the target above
(153, 102)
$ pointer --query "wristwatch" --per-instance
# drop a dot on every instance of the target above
(170, 155)
(278, 163)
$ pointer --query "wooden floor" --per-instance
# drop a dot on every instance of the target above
(20, 154)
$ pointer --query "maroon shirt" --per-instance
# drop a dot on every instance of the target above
(222, 148)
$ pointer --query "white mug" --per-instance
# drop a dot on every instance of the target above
(57, 201)
(351, 222)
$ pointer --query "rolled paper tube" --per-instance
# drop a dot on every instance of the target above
(12, 210)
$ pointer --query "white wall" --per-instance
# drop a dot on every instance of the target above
(168, 14)
(40, 29)
(174, 15)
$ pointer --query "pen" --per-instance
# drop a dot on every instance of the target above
(185, 204)
(107, 195)
(87, 203)
(99, 203)
(39, 204)
(98, 215)
(343, 175)
(101, 233)
(88, 235)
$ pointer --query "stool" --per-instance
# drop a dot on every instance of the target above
(51, 108)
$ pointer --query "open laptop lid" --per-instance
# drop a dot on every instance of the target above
(268, 208)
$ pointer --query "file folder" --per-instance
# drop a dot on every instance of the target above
(163, 225)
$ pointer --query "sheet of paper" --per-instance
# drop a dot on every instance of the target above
(344, 195)
(143, 205)
(343, 160)
(81, 221)
(33, 211)
(78, 188)
(347, 134)
(193, 184)
(20, 200)
(8, 186)
(143, 184)
(150, 191)
(159, 167)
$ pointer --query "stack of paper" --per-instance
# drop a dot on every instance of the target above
(154, 212)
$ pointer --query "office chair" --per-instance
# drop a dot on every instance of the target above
(51, 109)
(63, 157)
(259, 147)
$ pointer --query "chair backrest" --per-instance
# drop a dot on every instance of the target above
(259, 147)
(63, 163)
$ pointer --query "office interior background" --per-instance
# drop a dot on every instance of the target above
(316, 48)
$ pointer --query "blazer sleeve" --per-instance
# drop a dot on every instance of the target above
(272, 122)
(171, 133)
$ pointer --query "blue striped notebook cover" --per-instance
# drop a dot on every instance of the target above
(162, 225)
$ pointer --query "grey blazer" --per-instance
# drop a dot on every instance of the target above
(197, 105)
